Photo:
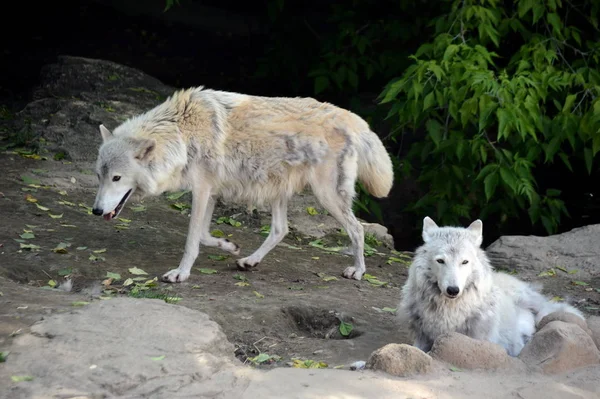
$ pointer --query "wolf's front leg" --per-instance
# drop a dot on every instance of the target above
(279, 229)
(200, 202)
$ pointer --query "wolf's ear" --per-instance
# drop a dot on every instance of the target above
(143, 149)
(428, 226)
(476, 229)
(106, 134)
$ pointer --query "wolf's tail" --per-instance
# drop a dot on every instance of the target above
(542, 306)
(375, 169)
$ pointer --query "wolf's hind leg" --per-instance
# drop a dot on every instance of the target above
(209, 241)
(279, 229)
(333, 185)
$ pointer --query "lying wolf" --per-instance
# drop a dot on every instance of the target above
(246, 149)
(451, 287)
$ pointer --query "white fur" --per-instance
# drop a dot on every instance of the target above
(490, 305)
(245, 149)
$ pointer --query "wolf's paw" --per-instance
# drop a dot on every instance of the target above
(175, 276)
(246, 264)
(352, 272)
(229, 246)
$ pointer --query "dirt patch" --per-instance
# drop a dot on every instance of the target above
(291, 306)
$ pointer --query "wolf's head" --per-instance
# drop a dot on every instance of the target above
(121, 168)
(452, 255)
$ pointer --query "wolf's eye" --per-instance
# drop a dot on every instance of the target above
(464, 262)
(116, 178)
(440, 261)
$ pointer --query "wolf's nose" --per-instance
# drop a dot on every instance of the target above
(97, 211)
(452, 291)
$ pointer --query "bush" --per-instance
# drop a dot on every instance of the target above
(502, 89)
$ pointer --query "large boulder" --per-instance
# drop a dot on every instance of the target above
(560, 347)
(123, 347)
(593, 323)
(400, 360)
(575, 249)
(467, 353)
(566, 317)
(75, 95)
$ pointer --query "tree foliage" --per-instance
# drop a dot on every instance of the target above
(502, 89)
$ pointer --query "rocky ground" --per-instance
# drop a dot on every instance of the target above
(76, 307)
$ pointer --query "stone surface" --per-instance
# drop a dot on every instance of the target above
(400, 360)
(560, 347)
(123, 347)
(575, 249)
(467, 353)
(593, 323)
(566, 317)
(143, 348)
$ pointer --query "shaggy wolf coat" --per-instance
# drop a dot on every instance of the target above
(451, 287)
(246, 149)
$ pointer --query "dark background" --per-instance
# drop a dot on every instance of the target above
(244, 47)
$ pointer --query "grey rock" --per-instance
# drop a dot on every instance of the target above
(575, 249)
(560, 347)
(400, 360)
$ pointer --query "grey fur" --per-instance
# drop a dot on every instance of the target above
(491, 306)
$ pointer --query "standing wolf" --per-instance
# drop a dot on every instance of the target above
(245, 149)
(451, 287)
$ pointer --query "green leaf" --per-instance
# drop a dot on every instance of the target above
(450, 52)
(509, 178)
(312, 211)
(30, 180)
(524, 7)
(205, 270)
(263, 357)
(158, 358)
(80, 303)
(581, 283)
(61, 248)
(176, 196)
(504, 124)
(435, 130)
(27, 236)
(43, 208)
(65, 272)
(136, 271)
(217, 233)
(346, 328)
(21, 378)
(3, 356)
(490, 183)
(138, 208)
(429, 101)
(554, 20)
(114, 276)
(570, 100)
